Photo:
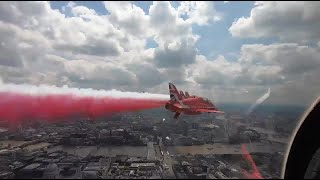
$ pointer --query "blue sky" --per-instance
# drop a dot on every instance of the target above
(215, 38)
(99, 53)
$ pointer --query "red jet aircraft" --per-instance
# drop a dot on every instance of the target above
(191, 105)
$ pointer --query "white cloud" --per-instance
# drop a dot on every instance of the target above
(129, 18)
(293, 59)
(207, 72)
(169, 27)
(104, 73)
(199, 12)
(70, 4)
(82, 11)
(147, 74)
(175, 56)
(22, 75)
(54, 35)
(42, 45)
(278, 66)
(20, 47)
(175, 39)
(291, 21)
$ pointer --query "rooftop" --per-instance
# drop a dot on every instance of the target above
(32, 166)
(143, 165)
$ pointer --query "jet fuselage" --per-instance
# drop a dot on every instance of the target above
(190, 105)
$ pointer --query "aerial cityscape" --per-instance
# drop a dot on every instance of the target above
(145, 144)
(156, 89)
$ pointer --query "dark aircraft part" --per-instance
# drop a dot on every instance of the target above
(192, 113)
(177, 115)
(167, 106)
(181, 93)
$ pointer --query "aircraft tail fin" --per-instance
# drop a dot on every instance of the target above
(183, 96)
(174, 94)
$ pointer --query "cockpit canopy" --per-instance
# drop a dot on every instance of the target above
(207, 100)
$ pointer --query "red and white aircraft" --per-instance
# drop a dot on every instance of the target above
(191, 105)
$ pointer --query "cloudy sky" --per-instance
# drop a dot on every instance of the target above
(227, 51)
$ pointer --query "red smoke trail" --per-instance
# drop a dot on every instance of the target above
(255, 174)
(17, 107)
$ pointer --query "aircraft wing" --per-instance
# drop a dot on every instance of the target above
(208, 110)
(178, 106)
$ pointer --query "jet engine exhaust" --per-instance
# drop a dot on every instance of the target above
(51, 103)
